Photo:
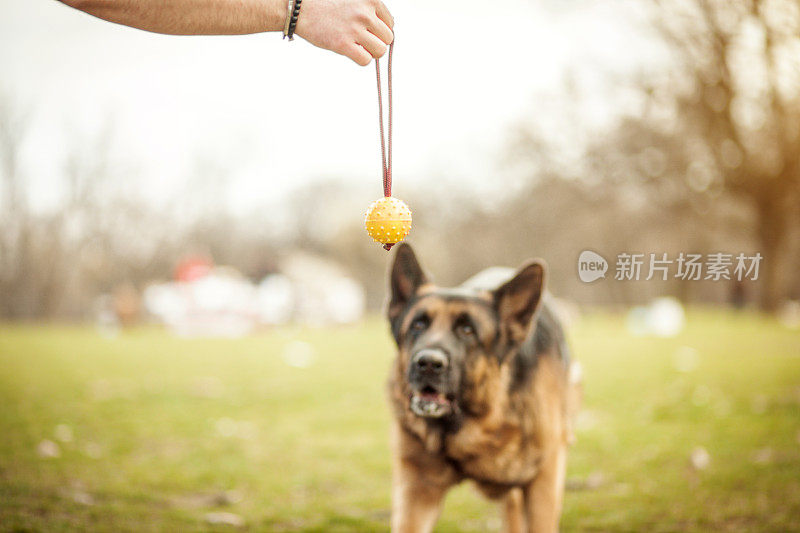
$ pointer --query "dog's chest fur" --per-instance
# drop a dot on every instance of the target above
(496, 456)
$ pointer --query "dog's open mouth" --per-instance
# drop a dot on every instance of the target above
(430, 403)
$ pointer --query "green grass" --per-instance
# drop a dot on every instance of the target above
(161, 425)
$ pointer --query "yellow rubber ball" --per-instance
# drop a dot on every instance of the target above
(388, 220)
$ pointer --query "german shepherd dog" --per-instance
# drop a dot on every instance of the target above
(481, 389)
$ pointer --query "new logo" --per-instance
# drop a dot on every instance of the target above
(591, 266)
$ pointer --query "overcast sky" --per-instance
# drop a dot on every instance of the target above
(276, 114)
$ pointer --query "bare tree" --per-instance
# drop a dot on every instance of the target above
(735, 94)
(15, 220)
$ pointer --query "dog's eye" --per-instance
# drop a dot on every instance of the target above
(419, 323)
(465, 329)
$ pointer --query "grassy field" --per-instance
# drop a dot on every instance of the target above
(288, 430)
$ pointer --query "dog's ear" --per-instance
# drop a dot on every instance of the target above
(518, 299)
(406, 277)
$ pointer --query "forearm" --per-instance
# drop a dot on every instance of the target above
(190, 17)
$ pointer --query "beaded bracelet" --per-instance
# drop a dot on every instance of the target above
(292, 14)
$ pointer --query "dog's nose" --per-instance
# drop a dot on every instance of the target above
(431, 361)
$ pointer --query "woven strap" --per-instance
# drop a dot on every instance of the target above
(386, 148)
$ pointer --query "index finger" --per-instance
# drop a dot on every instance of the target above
(384, 15)
(381, 30)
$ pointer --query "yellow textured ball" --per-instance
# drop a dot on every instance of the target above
(388, 221)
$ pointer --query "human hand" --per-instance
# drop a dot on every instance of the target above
(358, 29)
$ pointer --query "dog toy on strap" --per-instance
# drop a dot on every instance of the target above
(388, 220)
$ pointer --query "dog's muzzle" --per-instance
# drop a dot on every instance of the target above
(428, 377)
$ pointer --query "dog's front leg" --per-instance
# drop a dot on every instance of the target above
(415, 503)
(516, 521)
(419, 483)
(543, 497)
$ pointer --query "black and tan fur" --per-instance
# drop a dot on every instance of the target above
(480, 390)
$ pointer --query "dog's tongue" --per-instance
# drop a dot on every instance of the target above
(433, 397)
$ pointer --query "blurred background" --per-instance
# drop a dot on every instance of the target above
(217, 186)
(611, 126)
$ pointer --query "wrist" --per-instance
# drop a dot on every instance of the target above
(306, 15)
